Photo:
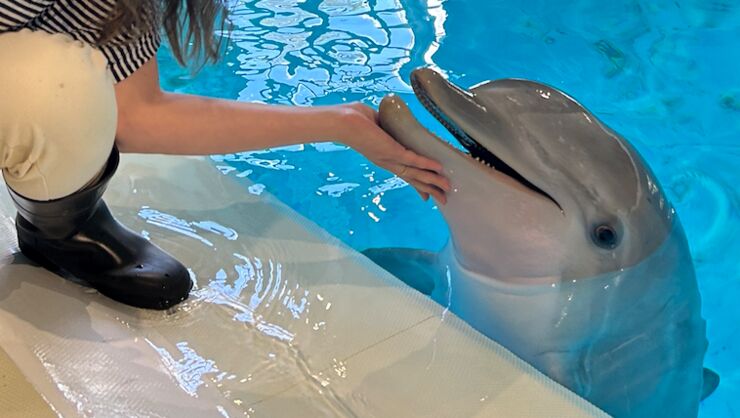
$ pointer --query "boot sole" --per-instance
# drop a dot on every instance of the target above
(33, 254)
(30, 252)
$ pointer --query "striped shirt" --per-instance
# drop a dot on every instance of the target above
(83, 20)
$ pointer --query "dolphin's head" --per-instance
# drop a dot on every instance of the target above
(544, 190)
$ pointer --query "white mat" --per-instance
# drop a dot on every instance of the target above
(284, 321)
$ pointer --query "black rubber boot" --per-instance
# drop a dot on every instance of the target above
(78, 234)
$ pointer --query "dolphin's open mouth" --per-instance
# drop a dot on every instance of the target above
(473, 147)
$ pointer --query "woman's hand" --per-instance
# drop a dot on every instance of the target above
(365, 135)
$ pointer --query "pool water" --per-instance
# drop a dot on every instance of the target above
(666, 75)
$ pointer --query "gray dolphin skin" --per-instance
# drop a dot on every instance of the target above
(563, 247)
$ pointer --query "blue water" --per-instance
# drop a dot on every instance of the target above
(665, 74)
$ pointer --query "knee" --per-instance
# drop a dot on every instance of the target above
(56, 85)
(57, 103)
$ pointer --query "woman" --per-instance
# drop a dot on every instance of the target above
(78, 82)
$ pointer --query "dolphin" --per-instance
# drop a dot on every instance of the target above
(563, 247)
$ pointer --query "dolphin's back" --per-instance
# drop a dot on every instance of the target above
(632, 342)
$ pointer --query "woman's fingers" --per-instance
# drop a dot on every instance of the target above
(427, 183)
(413, 159)
(427, 177)
(425, 189)
(424, 196)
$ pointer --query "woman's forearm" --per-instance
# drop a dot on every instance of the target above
(153, 121)
(184, 124)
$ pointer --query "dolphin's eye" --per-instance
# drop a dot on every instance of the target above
(605, 237)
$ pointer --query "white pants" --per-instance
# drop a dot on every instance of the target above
(57, 113)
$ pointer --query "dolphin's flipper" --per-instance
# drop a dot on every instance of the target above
(711, 381)
(416, 268)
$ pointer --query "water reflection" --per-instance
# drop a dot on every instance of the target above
(189, 370)
(337, 189)
(187, 228)
(300, 52)
(439, 15)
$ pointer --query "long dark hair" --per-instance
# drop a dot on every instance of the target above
(189, 25)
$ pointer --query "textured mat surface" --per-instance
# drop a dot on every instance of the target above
(284, 320)
(18, 398)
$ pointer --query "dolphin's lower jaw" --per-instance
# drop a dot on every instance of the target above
(474, 148)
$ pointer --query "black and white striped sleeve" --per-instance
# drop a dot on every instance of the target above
(83, 20)
(125, 58)
(15, 14)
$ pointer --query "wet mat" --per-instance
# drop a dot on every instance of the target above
(284, 320)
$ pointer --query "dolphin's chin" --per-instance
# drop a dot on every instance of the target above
(474, 149)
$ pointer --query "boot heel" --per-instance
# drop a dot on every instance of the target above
(35, 256)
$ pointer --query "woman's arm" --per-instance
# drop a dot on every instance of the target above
(153, 121)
